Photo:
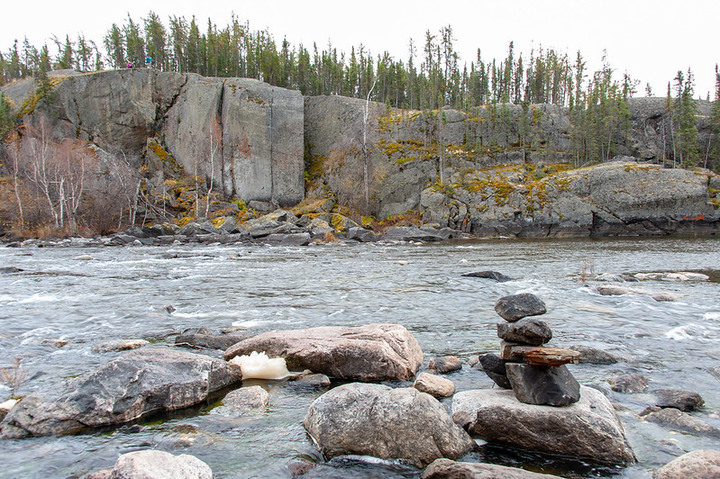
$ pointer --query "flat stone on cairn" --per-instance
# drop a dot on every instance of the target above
(536, 373)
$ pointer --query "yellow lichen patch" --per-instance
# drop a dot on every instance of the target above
(308, 205)
(164, 156)
(404, 151)
(409, 218)
(339, 222)
(638, 167)
(184, 220)
(387, 122)
(218, 222)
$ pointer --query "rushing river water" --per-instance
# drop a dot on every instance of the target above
(87, 296)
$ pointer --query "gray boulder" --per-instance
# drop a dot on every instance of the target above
(700, 464)
(153, 464)
(629, 383)
(587, 429)
(680, 421)
(375, 352)
(134, 385)
(517, 306)
(445, 469)
(525, 331)
(550, 386)
(678, 398)
(376, 420)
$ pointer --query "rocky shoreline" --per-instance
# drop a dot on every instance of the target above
(376, 395)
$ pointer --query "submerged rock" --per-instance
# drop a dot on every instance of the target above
(120, 345)
(629, 383)
(680, 421)
(203, 338)
(588, 429)
(375, 352)
(494, 275)
(379, 421)
(133, 385)
(153, 464)
(446, 364)
(447, 469)
(678, 398)
(517, 306)
(700, 464)
(243, 400)
(660, 296)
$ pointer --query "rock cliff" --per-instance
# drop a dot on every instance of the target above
(493, 170)
(243, 136)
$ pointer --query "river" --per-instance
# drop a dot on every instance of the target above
(67, 300)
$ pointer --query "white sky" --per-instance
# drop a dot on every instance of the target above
(649, 39)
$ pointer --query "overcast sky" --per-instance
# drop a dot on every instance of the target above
(650, 40)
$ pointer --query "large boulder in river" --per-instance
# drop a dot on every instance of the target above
(446, 469)
(700, 464)
(374, 352)
(588, 429)
(134, 385)
(379, 421)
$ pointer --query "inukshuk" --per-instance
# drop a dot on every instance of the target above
(536, 373)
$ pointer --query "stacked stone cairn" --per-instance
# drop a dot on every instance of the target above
(536, 373)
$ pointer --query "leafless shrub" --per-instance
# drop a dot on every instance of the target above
(13, 376)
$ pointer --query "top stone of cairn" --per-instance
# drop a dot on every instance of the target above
(517, 306)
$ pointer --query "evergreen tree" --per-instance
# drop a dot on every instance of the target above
(156, 41)
(685, 117)
(115, 46)
(134, 43)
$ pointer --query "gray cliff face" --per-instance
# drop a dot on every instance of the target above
(244, 136)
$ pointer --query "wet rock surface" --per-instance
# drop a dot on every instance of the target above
(376, 420)
(700, 464)
(446, 469)
(374, 352)
(136, 384)
(588, 428)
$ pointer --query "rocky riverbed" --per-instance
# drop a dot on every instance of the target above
(62, 307)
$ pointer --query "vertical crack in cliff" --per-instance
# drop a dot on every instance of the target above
(221, 128)
(272, 144)
(160, 114)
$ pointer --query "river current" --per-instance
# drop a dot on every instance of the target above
(67, 300)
